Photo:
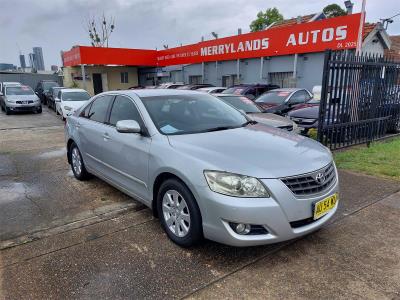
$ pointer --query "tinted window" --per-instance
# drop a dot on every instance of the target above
(124, 109)
(48, 85)
(85, 112)
(300, 97)
(98, 110)
(184, 114)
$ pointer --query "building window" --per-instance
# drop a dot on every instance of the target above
(124, 77)
(283, 79)
(195, 79)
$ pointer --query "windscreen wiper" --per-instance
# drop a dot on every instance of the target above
(249, 122)
(219, 128)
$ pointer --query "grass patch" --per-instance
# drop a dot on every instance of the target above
(380, 159)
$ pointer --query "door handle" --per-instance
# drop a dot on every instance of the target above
(106, 136)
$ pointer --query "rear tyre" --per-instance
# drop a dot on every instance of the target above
(8, 112)
(77, 164)
(39, 110)
(179, 213)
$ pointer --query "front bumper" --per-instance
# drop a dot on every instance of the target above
(283, 215)
(23, 107)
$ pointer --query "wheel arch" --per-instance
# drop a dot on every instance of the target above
(69, 144)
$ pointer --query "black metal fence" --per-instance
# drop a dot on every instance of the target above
(360, 99)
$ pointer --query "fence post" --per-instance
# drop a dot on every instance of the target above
(324, 95)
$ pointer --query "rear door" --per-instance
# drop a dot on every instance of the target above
(94, 141)
(128, 153)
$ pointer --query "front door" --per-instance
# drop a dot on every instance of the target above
(129, 152)
(97, 83)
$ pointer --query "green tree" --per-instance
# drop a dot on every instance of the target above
(266, 18)
(334, 10)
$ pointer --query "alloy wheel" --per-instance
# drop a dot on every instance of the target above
(176, 213)
(76, 161)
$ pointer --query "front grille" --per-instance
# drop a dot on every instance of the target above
(24, 102)
(311, 183)
(301, 223)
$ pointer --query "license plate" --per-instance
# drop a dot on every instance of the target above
(24, 102)
(322, 207)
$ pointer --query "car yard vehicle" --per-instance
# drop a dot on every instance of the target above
(247, 106)
(69, 100)
(18, 98)
(281, 101)
(247, 184)
(251, 91)
(42, 89)
(52, 95)
(194, 86)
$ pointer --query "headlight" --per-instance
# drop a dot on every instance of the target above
(235, 185)
(67, 108)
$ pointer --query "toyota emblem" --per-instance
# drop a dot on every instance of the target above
(320, 178)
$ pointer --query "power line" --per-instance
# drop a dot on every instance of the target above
(387, 21)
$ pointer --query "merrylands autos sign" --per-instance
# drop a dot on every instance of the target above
(335, 33)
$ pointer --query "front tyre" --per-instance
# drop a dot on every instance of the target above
(179, 213)
(77, 165)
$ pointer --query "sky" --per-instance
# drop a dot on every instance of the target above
(57, 25)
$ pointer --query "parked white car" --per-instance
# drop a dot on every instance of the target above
(69, 100)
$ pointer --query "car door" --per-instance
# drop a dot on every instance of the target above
(128, 153)
(94, 142)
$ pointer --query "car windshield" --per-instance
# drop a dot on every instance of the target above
(273, 97)
(237, 90)
(242, 103)
(19, 90)
(48, 85)
(75, 96)
(186, 114)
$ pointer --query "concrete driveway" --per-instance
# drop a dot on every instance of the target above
(61, 238)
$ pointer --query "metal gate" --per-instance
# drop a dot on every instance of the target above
(360, 98)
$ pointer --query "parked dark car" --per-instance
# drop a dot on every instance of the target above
(52, 95)
(193, 86)
(281, 101)
(306, 117)
(251, 91)
(255, 113)
(42, 89)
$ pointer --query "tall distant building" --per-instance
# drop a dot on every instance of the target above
(22, 61)
(32, 60)
(39, 61)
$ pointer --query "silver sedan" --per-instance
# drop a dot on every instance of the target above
(203, 167)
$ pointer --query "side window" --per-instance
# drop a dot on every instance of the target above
(124, 109)
(98, 110)
(260, 91)
(59, 95)
(299, 97)
(85, 112)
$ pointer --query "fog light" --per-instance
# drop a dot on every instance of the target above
(242, 228)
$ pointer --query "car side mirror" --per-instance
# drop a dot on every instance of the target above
(251, 96)
(128, 126)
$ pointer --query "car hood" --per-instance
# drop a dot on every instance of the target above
(307, 113)
(74, 104)
(255, 150)
(270, 119)
(21, 97)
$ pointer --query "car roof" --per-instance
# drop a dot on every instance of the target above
(286, 90)
(11, 83)
(252, 85)
(73, 90)
(207, 88)
(227, 95)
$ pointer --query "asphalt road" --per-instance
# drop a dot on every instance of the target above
(61, 238)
